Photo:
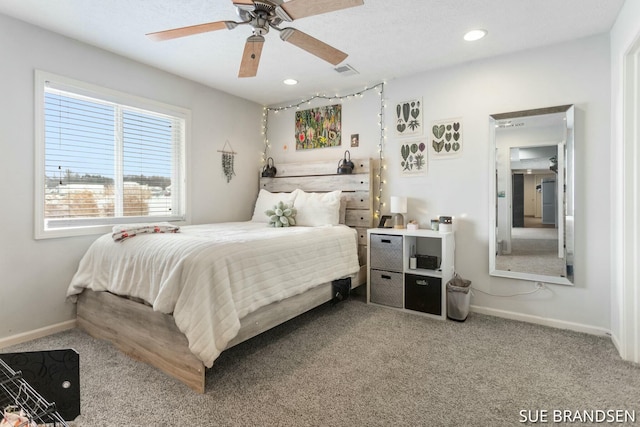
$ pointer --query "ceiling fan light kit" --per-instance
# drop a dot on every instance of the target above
(262, 15)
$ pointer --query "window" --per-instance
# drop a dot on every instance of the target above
(105, 158)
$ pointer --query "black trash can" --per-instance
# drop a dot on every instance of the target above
(458, 298)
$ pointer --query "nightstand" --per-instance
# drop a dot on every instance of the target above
(392, 283)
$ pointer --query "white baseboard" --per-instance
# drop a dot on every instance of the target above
(560, 324)
(554, 323)
(37, 333)
(616, 343)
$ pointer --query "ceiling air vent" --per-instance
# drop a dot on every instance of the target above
(346, 70)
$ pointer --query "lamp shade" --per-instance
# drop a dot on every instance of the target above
(398, 204)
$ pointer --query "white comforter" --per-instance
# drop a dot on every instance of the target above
(211, 276)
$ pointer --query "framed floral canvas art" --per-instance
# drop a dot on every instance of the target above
(319, 127)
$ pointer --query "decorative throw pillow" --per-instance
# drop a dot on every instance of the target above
(266, 200)
(282, 215)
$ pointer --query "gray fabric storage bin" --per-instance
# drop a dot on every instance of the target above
(386, 288)
(458, 298)
(386, 252)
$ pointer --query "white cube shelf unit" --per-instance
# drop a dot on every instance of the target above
(391, 280)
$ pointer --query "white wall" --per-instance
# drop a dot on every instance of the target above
(625, 192)
(34, 274)
(571, 73)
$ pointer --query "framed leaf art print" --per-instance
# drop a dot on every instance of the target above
(413, 158)
(408, 116)
(445, 138)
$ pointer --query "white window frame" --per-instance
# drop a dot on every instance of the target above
(101, 225)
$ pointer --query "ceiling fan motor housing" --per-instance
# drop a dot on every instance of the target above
(262, 15)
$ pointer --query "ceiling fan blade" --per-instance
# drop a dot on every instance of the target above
(251, 56)
(297, 9)
(193, 29)
(313, 45)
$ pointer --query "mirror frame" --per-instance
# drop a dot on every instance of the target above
(569, 195)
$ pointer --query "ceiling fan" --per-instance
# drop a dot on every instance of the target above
(262, 15)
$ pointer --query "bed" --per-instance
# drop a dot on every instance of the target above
(159, 303)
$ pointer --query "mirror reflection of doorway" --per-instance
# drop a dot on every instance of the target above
(534, 202)
(534, 244)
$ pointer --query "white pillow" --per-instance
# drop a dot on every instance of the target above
(266, 201)
(315, 209)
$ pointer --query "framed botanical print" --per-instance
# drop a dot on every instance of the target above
(446, 138)
(413, 158)
(408, 116)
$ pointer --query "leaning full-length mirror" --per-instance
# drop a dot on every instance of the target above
(531, 208)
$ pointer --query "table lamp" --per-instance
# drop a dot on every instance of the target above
(399, 208)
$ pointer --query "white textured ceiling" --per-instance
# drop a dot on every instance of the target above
(385, 39)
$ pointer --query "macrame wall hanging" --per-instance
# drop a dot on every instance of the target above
(228, 156)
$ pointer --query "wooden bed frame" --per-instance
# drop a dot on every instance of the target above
(154, 338)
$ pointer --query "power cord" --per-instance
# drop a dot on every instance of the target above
(539, 286)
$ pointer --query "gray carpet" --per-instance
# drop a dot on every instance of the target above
(535, 256)
(361, 365)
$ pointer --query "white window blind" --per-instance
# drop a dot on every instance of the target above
(105, 162)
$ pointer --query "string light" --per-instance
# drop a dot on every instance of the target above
(265, 130)
(381, 165)
(360, 94)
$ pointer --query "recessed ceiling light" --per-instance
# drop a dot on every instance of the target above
(290, 82)
(474, 35)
